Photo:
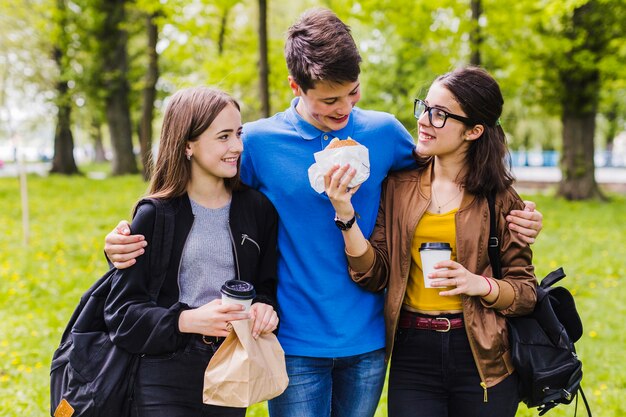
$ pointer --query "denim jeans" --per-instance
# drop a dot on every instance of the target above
(338, 387)
(435, 373)
(171, 385)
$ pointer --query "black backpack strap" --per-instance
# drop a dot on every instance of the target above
(162, 242)
(553, 277)
(494, 243)
(582, 393)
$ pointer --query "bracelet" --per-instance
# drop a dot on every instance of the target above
(490, 286)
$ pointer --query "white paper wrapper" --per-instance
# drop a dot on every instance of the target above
(357, 156)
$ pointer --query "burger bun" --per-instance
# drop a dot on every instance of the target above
(337, 143)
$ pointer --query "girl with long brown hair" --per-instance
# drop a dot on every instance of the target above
(223, 231)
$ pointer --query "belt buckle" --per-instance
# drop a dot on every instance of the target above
(209, 340)
(447, 321)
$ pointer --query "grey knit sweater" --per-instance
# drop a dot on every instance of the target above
(207, 257)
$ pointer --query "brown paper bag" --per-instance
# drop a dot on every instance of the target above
(245, 371)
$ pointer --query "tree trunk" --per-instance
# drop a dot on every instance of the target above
(263, 61)
(580, 95)
(96, 137)
(613, 126)
(222, 33)
(147, 98)
(579, 107)
(63, 160)
(475, 35)
(117, 89)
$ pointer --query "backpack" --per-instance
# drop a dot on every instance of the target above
(89, 375)
(542, 342)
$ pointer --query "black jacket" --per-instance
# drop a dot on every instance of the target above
(140, 325)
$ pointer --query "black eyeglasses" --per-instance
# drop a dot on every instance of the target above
(436, 116)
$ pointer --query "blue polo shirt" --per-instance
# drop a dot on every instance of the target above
(323, 313)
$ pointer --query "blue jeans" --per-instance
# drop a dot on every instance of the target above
(338, 387)
(435, 373)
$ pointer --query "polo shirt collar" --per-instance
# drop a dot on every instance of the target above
(309, 132)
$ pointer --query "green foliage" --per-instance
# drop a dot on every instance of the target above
(41, 283)
(526, 44)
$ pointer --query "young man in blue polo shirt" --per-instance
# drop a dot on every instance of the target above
(332, 331)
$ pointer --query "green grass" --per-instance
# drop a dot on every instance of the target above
(40, 283)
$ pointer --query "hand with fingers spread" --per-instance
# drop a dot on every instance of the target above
(122, 248)
(336, 182)
(211, 319)
(461, 281)
(264, 319)
(527, 223)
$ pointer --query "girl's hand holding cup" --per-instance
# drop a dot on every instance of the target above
(459, 280)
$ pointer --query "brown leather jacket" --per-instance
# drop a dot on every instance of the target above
(406, 195)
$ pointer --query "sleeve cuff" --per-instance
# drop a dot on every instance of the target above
(506, 295)
(364, 262)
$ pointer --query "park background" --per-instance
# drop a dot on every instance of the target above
(83, 85)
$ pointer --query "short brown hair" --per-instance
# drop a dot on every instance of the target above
(189, 113)
(320, 47)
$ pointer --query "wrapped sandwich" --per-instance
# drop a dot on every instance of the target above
(340, 152)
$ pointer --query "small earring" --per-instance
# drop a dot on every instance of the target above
(188, 157)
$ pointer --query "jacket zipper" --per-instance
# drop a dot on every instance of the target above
(483, 384)
(245, 237)
(232, 241)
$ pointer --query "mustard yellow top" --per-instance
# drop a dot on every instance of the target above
(431, 228)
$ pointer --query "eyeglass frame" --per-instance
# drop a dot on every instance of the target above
(447, 115)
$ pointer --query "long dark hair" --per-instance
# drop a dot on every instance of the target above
(189, 113)
(487, 158)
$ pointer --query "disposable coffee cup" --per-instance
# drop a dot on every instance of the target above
(432, 253)
(235, 291)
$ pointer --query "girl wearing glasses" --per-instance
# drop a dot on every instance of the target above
(448, 345)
